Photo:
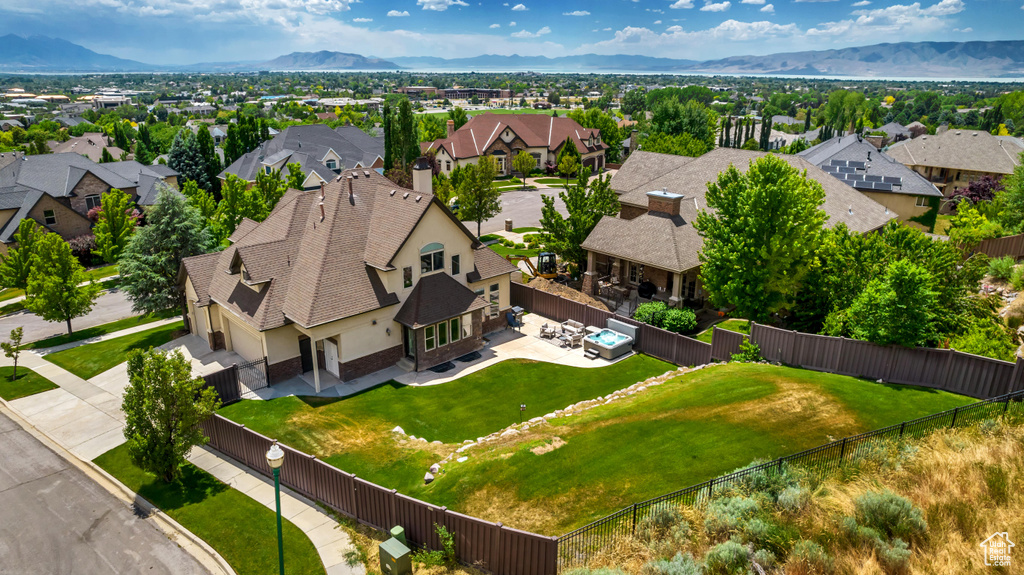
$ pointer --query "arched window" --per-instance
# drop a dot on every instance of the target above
(431, 258)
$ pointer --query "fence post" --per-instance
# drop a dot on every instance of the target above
(355, 498)
(711, 488)
(634, 519)
(952, 423)
(902, 425)
(839, 355)
(842, 450)
(1006, 406)
(949, 366)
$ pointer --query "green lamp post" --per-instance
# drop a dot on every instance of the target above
(275, 457)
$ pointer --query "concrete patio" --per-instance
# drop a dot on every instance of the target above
(501, 345)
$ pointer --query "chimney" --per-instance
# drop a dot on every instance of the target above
(663, 203)
(322, 215)
(422, 176)
(323, 192)
(633, 137)
(451, 128)
(351, 194)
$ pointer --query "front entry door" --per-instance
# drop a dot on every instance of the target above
(331, 357)
(306, 353)
(409, 339)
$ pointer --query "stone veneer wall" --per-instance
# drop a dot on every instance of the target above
(370, 363)
(216, 340)
(283, 370)
(427, 359)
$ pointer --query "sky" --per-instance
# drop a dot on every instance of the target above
(191, 31)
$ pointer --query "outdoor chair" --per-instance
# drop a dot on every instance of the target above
(547, 331)
(576, 339)
(512, 323)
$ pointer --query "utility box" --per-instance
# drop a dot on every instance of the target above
(398, 532)
(395, 558)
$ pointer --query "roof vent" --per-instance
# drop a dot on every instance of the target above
(405, 195)
(851, 210)
(392, 193)
(322, 215)
(418, 198)
(366, 173)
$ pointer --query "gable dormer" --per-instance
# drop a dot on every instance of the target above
(507, 135)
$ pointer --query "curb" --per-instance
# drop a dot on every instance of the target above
(163, 522)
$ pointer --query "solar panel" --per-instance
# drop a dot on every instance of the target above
(855, 177)
(856, 164)
(873, 178)
(839, 163)
(830, 169)
(846, 170)
(882, 186)
(863, 185)
(894, 180)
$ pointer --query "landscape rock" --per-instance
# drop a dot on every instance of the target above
(428, 478)
(398, 430)
(462, 459)
(435, 468)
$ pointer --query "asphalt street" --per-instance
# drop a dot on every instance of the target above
(54, 520)
(110, 306)
(522, 207)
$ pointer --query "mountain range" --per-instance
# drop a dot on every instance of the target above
(996, 59)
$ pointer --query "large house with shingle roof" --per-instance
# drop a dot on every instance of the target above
(58, 190)
(350, 278)
(653, 238)
(955, 158)
(858, 164)
(502, 136)
(322, 152)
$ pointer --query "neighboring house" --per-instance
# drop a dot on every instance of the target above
(894, 132)
(858, 164)
(90, 145)
(6, 125)
(322, 152)
(786, 121)
(653, 238)
(502, 136)
(70, 121)
(955, 158)
(326, 116)
(917, 129)
(351, 278)
(58, 190)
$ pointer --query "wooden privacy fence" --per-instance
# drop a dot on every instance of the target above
(482, 544)
(653, 341)
(725, 343)
(999, 247)
(946, 369)
(578, 547)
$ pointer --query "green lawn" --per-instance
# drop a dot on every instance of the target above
(28, 383)
(942, 224)
(243, 531)
(693, 428)
(90, 360)
(12, 307)
(525, 230)
(550, 181)
(507, 251)
(93, 274)
(102, 329)
(737, 325)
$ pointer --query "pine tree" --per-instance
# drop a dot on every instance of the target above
(115, 226)
(727, 142)
(209, 152)
(105, 156)
(231, 152)
(389, 139)
(187, 159)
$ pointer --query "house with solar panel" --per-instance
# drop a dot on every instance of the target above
(858, 164)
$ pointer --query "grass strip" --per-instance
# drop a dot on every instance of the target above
(102, 329)
(90, 360)
(242, 530)
(28, 383)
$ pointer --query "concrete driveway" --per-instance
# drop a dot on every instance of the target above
(54, 520)
(522, 207)
(110, 306)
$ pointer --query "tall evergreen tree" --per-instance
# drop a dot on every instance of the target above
(187, 159)
(389, 139)
(209, 152)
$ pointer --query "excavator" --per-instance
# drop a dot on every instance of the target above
(545, 268)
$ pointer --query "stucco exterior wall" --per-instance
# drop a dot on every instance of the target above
(435, 226)
(904, 206)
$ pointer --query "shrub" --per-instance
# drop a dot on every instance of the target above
(772, 537)
(679, 320)
(729, 514)
(598, 571)
(726, 559)
(770, 480)
(447, 539)
(894, 557)
(764, 558)
(808, 557)
(1001, 268)
(82, 248)
(794, 499)
(891, 515)
(750, 352)
(650, 313)
(520, 246)
(659, 522)
(679, 565)
(1017, 278)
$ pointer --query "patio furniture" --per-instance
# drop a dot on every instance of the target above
(563, 340)
(572, 326)
(547, 331)
(512, 323)
(576, 339)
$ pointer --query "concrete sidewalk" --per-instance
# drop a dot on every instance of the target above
(85, 418)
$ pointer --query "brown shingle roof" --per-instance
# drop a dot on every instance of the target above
(536, 130)
(435, 298)
(973, 150)
(488, 264)
(643, 167)
(200, 271)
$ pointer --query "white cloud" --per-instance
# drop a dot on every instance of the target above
(528, 34)
(361, 20)
(966, 30)
(682, 4)
(439, 5)
(715, 6)
(657, 21)
(606, 29)
(512, 23)
(815, 0)
(861, 3)
(768, 9)
(905, 19)
(676, 42)
(576, 13)
(519, 8)
(495, 26)
(752, 2)
(397, 14)
(655, 10)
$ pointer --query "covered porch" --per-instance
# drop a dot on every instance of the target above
(626, 283)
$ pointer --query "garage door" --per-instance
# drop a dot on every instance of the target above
(244, 343)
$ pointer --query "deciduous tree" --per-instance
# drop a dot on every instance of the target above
(524, 164)
(478, 198)
(16, 264)
(896, 308)
(115, 225)
(586, 204)
(759, 241)
(163, 407)
(57, 288)
(12, 349)
(459, 116)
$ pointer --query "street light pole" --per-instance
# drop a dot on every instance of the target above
(275, 457)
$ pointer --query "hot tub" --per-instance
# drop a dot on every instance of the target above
(608, 344)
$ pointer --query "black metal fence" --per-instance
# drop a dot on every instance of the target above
(239, 380)
(578, 547)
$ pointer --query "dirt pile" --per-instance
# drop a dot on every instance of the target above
(567, 292)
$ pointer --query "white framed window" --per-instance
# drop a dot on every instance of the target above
(454, 331)
(429, 339)
(456, 265)
(92, 201)
(267, 170)
(467, 325)
(442, 333)
(332, 165)
(495, 298)
(431, 258)
(447, 165)
(922, 202)
(49, 217)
